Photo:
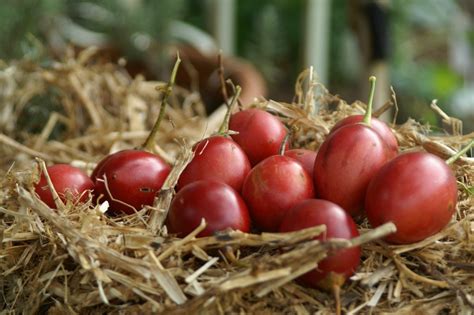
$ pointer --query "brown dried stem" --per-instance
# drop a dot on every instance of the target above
(44, 171)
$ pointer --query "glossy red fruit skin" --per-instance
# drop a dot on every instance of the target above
(274, 186)
(417, 191)
(260, 133)
(339, 224)
(134, 177)
(346, 162)
(377, 125)
(219, 204)
(97, 168)
(216, 158)
(66, 179)
(305, 157)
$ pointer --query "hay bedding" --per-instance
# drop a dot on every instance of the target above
(78, 260)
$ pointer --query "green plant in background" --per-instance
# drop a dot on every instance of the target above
(270, 34)
(344, 60)
(120, 20)
(139, 30)
(267, 46)
(420, 64)
(20, 21)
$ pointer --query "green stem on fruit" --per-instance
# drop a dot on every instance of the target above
(368, 112)
(225, 123)
(151, 139)
(453, 159)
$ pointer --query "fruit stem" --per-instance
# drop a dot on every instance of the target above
(282, 149)
(368, 112)
(150, 140)
(336, 290)
(225, 123)
(461, 152)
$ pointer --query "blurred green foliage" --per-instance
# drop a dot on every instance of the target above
(419, 65)
(20, 19)
(150, 17)
(343, 59)
(270, 33)
(266, 46)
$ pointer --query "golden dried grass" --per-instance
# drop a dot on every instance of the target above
(79, 260)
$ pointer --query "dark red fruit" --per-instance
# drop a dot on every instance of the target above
(274, 186)
(97, 168)
(346, 162)
(133, 178)
(219, 204)
(216, 158)
(67, 181)
(417, 191)
(340, 264)
(377, 125)
(260, 133)
(305, 157)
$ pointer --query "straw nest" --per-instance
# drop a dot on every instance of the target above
(79, 260)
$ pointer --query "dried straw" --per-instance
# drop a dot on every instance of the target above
(78, 260)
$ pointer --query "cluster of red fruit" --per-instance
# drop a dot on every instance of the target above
(233, 181)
